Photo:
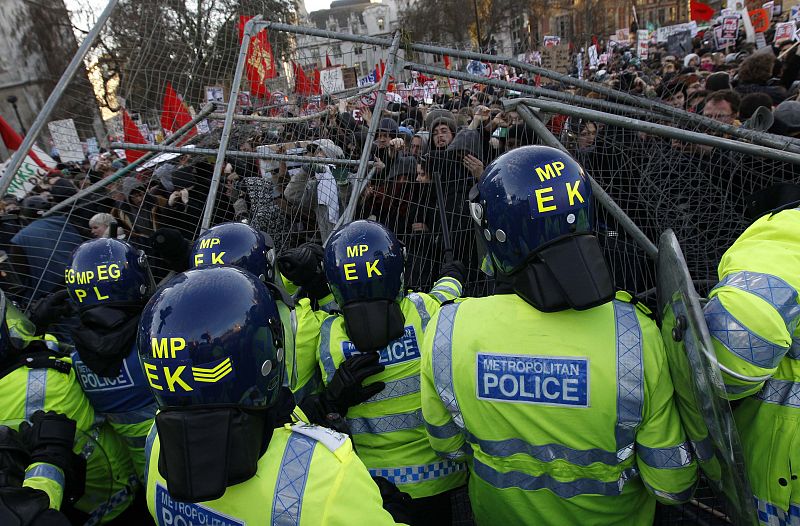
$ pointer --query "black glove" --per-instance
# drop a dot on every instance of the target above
(396, 502)
(50, 437)
(345, 389)
(455, 269)
(303, 267)
(28, 507)
(50, 309)
(14, 458)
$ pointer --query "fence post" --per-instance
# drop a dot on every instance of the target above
(602, 197)
(380, 103)
(52, 100)
(227, 128)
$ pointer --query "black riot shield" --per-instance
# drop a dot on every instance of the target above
(699, 390)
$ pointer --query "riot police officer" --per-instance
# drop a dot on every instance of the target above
(753, 316)
(369, 358)
(110, 281)
(558, 393)
(240, 245)
(36, 377)
(223, 449)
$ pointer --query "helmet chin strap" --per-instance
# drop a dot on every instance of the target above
(570, 273)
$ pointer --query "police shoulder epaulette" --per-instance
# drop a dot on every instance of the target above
(331, 439)
(627, 297)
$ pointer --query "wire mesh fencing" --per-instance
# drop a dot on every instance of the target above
(392, 136)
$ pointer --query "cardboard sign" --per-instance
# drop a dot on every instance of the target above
(680, 44)
(552, 41)
(592, 56)
(66, 140)
(663, 32)
(623, 35)
(794, 13)
(760, 19)
(770, 7)
(215, 94)
(556, 58)
(730, 28)
(642, 44)
(331, 80)
(784, 31)
(761, 41)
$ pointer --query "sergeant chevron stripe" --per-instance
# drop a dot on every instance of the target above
(215, 374)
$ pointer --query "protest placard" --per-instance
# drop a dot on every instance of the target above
(66, 140)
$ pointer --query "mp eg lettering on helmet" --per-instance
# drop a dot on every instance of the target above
(181, 375)
(109, 272)
(350, 269)
(543, 380)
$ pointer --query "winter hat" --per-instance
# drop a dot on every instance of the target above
(441, 116)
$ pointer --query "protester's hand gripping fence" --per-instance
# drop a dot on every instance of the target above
(654, 167)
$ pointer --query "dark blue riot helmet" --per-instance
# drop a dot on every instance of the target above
(108, 272)
(211, 345)
(212, 336)
(364, 264)
(533, 210)
(238, 245)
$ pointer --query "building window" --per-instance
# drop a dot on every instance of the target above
(564, 26)
(337, 51)
(662, 16)
(358, 49)
(672, 14)
(381, 24)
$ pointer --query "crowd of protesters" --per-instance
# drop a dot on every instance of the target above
(450, 138)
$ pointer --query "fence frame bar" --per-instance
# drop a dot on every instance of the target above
(44, 114)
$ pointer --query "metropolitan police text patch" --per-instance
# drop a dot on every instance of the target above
(91, 382)
(398, 351)
(533, 379)
(170, 512)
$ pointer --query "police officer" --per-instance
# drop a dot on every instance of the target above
(223, 451)
(35, 378)
(110, 281)
(369, 358)
(753, 316)
(240, 245)
(558, 392)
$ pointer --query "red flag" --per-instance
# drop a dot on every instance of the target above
(446, 62)
(316, 88)
(132, 135)
(377, 73)
(328, 63)
(700, 12)
(13, 141)
(260, 60)
(302, 86)
(174, 113)
(383, 68)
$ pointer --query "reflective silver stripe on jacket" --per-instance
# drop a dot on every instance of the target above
(674, 457)
(780, 392)
(47, 471)
(413, 474)
(740, 340)
(385, 424)
(630, 377)
(397, 388)
(148, 451)
(35, 391)
(325, 348)
(772, 289)
(287, 503)
(566, 490)
(442, 361)
(419, 303)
